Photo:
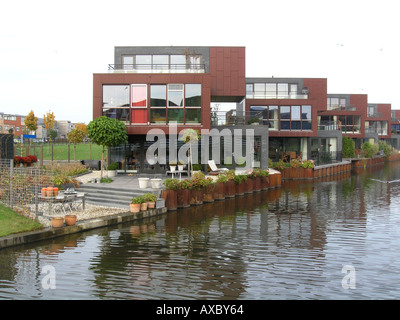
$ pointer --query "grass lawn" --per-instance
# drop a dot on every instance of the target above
(11, 222)
(60, 151)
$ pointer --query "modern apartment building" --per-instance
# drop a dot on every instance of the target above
(167, 88)
(175, 87)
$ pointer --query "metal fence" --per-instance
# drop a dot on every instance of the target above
(20, 186)
(325, 157)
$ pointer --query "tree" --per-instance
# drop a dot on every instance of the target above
(75, 136)
(31, 121)
(49, 121)
(82, 127)
(106, 132)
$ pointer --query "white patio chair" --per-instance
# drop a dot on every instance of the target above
(214, 167)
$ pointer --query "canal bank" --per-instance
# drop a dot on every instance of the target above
(275, 181)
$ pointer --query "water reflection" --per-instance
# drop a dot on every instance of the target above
(288, 243)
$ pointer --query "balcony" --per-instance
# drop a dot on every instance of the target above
(156, 68)
(341, 108)
(375, 115)
(328, 126)
(236, 118)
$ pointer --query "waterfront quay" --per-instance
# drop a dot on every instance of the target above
(128, 182)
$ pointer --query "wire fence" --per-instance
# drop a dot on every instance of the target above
(20, 187)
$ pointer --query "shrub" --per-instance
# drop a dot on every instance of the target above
(348, 148)
(369, 149)
(308, 164)
(113, 166)
(387, 150)
(171, 184)
(222, 178)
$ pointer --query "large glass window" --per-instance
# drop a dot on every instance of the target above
(116, 96)
(193, 95)
(158, 96)
(175, 115)
(193, 115)
(139, 95)
(178, 62)
(158, 115)
(175, 95)
(160, 62)
(116, 102)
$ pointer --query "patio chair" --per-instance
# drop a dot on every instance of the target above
(214, 168)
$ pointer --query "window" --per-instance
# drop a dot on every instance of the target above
(127, 62)
(139, 103)
(295, 117)
(139, 95)
(175, 95)
(158, 96)
(160, 62)
(178, 62)
(116, 102)
(193, 95)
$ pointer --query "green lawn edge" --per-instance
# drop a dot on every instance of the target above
(12, 223)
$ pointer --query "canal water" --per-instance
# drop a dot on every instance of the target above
(338, 238)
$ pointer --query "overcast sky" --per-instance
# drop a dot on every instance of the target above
(49, 50)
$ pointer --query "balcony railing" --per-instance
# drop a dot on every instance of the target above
(326, 157)
(375, 115)
(274, 95)
(236, 118)
(328, 126)
(341, 108)
(156, 68)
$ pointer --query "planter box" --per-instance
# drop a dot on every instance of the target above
(183, 200)
(143, 183)
(230, 190)
(219, 191)
(156, 183)
(196, 196)
(171, 199)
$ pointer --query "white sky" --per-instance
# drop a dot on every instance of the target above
(49, 50)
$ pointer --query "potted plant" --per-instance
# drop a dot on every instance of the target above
(151, 199)
(240, 184)
(135, 204)
(180, 165)
(230, 190)
(172, 165)
(209, 190)
(112, 169)
(183, 195)
(170, 193)
(197, 189)
(219, 189)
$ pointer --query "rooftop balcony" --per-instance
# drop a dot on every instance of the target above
(156, 68)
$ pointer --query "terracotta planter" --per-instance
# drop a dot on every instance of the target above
(134, 207)
(44, 192)
(183, 198)
(55, 192)
(264, 183)
(219, 191)
(70, 219)
(208, 195)
(57, 222)
(143, 206)
(151, 205)
(196, 196)
(230, 191)
(49, 192)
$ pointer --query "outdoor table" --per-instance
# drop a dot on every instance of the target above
(176, 171)
(62, 200)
